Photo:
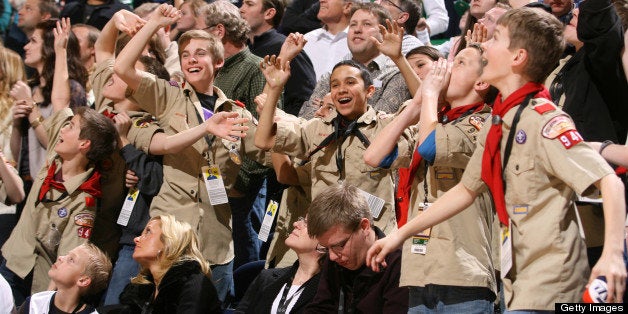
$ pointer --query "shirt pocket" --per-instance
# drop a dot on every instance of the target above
(521, 179)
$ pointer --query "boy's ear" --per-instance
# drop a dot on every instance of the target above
(520, 57)
(370, 91)
(480, 86)
(84, 281)
(218, 65)
(84, 146)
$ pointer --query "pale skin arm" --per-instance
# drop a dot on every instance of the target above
(122, 121)
(614, 153)
(432, 87)
(12, 181)
(276, 73)
(123, 21)
(284, 169)
(226, 125)
(60, 95)
(624, 56)
(451, 203)
(392, 36)
(124, 67)
(611, 263)
(24, 107)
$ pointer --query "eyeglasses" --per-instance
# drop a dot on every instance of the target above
(393, 4)
(336, 248)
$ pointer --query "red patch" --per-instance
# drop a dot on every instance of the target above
(541, 109)
(84, 232)
(240, 104)
(570, 138)
(90, 201)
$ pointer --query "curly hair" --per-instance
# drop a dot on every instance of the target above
(225, 13)
(76, 70)
(11, 71)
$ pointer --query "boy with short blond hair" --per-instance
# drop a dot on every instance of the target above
(545, 163)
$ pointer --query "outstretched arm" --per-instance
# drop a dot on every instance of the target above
(124, 67)
(276, 72)
(225, 125)
(60, 95)
(392, 36)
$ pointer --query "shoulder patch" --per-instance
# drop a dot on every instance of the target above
(545, 107)
(570, 138)
(173, 83)
(143, 122)
(557, 126)
(240, 104)
(476, 121)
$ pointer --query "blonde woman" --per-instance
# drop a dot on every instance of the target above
(174, 276)
(11, 71)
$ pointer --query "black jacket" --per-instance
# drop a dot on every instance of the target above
(184, 289)
(264, 289)
(75, 10)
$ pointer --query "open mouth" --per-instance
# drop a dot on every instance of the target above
(194, 70)
(344, 100)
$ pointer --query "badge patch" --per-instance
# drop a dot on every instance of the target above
(445, 175)
(476, 121)
(62, 212)
(84, 232)
(84, 220)
(521, 137)
(520, 209)
(557, 126)
(142, 122)
(570, 138)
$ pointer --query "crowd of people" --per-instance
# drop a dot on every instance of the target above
(304, 156)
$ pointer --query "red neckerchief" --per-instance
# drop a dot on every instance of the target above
(491, 160)
(91, 186)
(454, 113)
(406, 175)
(108, 114)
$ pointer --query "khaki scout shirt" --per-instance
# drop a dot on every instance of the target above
(106, 231)
(48, 229)
(298, 140)
(459, 250)
(183, 193)
(542, 176)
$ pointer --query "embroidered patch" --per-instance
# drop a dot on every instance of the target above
(173, 83)
(84, 232)
(90, 201)
(142, 122)
(541, 109)
(521, 137)
(476, 121)
(84, 220)
(520, 209)
(570, 138)
(557, 126)
(445, 175)
(62, 212)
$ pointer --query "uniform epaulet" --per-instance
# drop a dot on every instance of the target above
(544, 107)
(173, 83)
(240, 104)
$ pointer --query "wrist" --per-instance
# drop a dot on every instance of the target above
(36, 122)
(604, 145)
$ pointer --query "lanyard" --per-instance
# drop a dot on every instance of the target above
(511, 135)
(285, 301)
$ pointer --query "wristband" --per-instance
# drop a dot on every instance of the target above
(604, 145)
(35, 123)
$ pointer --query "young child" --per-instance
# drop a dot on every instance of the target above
(545, 163)
(83, 272)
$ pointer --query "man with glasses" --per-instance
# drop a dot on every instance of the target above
(341, 221)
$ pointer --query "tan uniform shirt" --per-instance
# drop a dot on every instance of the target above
(298, 140)
(106, 231)
(458, 251)
(183, 193)
(48, 229)
(549, 257)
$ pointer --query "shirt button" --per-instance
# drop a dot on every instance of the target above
(517, 167)
(192, 192)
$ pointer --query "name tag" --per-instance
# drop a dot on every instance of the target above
(214, 185)
(269, 217)
(421, 239)
(375, 204)
(127, 207)
(505, 251)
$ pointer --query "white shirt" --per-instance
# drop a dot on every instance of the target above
(6, 297)
(437, 18)
(325, 49)
(293, 295)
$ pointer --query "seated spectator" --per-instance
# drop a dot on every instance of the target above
(561, 9)
(192, 17)
(29, 15)
(422, 59)
(341, 221)
(406, 13)
(174, 276)
(92, 12)
(290, 289)
(82, 273)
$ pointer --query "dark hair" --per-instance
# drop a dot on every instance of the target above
(100, 131)
(49, 6)
(364, 72)
(153, 46)
(427, 51)
(279, 6)
(377, 10)
(92, 34)
(414, 14)
(76, 70)
(155, 67)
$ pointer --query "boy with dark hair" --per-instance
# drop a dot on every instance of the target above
(545, 163)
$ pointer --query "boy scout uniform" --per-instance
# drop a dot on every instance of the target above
(183, 193)
(55, 225)
(458, 251)
(106, 231)
(298, 140)
(548, 162)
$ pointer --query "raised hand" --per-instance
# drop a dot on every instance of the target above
(165, 15)
(392, 37)
(227, 125)
(436, 81)
(276, 71)
(122, 121)
(128, 22)
(61, 33)
(292, 46)
(259, 102)
(20, 91)
(478, 36)
(21, 109)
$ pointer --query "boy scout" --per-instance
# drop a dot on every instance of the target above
(61, 208)
(433, 261)
(542, 256)
(334, 145)
(191, 190)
